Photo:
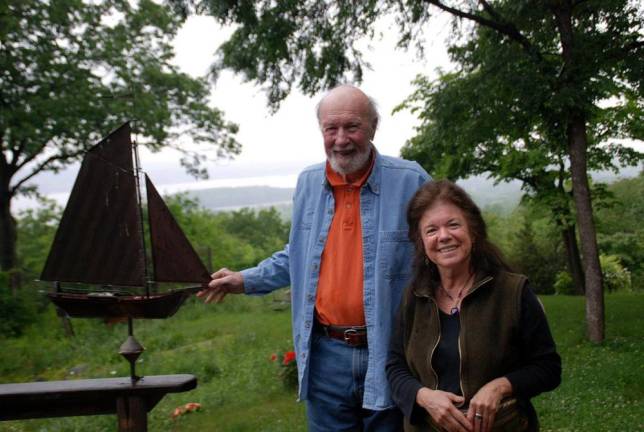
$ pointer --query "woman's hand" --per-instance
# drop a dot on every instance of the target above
(442, 407)
(485, 403)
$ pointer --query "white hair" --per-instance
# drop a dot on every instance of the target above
(373, 105)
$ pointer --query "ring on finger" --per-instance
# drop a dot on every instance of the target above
(478, 416)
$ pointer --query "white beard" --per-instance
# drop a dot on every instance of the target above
(355, 164)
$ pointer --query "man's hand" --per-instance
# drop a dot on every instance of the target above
(223, 282)
(441, 406)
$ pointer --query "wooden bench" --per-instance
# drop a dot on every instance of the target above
(129, 401)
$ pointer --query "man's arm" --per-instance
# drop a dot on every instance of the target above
(270, 274)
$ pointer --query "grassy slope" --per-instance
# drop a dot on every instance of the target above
(603, 385)
(228, 347)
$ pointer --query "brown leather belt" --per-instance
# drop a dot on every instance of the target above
(355, 336)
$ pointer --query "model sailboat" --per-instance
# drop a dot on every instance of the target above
(101, 243)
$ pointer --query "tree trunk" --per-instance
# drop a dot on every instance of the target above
(7, 230)
(563, 218)
(581, 193)
(577, 148)
(573, 259)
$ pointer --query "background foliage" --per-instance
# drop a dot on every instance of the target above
(239, 239)
(72, 70)
(539, 92)
(229, 346)
(531, 239)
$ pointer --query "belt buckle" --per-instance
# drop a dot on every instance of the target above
(347, 335)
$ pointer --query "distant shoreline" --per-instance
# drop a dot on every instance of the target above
(277, 190)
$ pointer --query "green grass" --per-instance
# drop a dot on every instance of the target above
(603, 385)
(228, 348)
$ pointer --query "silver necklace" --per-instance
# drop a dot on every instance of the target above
(455, 309)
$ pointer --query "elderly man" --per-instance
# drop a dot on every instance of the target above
(347, 261)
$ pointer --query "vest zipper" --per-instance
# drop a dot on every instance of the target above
(431, 353)
(460, 352)
(461, 331)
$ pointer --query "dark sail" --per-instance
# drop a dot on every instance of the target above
(173, 257)
(99, 239)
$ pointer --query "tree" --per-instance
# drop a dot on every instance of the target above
(586, 62)
(237, 239)
(463, 134)
(263, 228)
(36, 230)
(535, 250)
(583, 51)
(528, 237)
(619, 226)
(72, 70)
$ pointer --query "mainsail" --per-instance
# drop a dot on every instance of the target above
(100, 240)
(99, 237)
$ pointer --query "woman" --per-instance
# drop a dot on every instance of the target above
(471, 345)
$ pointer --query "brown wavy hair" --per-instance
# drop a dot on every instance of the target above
(486, 258)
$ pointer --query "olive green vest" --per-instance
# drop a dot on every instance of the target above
(489, 318)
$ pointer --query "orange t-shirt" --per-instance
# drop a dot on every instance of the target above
(339, 296)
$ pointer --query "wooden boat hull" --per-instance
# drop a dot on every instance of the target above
(98, 306)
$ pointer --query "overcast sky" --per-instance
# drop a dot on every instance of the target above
(291, 135)
(276, 147)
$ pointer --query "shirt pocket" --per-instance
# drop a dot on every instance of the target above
(305, 220)
(395, 255)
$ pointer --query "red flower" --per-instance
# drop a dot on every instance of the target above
(289, 356)
(273, 357)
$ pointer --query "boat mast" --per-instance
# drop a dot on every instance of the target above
(137, 171)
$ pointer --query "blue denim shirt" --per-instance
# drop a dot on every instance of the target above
(387, 261)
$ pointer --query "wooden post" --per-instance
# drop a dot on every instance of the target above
(132, 414)
(66, 322)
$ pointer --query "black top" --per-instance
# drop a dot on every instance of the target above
(447, 360)
(535, 343)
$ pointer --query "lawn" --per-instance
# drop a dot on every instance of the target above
(229, 347)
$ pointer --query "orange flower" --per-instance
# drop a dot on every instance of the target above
(187, 408)
(192, 406)
(177, 412)
(289, 356)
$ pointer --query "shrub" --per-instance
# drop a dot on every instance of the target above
(616, 277)
(563, 283)
(15, 310)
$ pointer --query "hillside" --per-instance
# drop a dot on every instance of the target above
(504, 196)
(501, 197)
(232, 198)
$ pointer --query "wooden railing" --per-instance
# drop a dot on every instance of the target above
(130, 401)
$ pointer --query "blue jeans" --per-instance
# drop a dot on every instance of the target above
(336, 380)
